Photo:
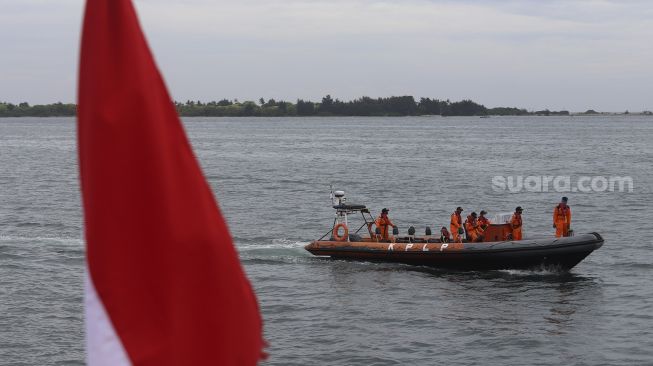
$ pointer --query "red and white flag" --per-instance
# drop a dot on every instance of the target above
(165, 285)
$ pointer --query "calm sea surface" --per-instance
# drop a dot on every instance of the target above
(272, 177)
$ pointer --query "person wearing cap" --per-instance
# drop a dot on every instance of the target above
(474, 232)
(516, 223)
(483, 222)
(456, 225)
(562, 218)
(383, 222)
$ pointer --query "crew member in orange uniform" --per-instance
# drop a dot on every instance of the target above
(516, 223)
(456, 225)
(562, 218)
(483, 222)
(382, 222)
(474, 232)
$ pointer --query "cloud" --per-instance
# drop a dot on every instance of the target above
(537, 54)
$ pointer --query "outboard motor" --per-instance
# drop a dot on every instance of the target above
(395, 231)
(427, 232)
(411, 231)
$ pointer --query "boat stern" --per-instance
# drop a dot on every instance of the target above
(312, 247)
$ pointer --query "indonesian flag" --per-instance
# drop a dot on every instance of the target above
(165, 285)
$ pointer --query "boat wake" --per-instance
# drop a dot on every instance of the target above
(279, 250)
(280, 243)
(542, 271)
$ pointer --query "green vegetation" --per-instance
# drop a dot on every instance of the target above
(364, 106)
(547, 112)
(39, 110)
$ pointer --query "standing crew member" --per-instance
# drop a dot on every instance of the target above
(483, 222)
(562, 218)
(382, 222)
(474, 232)
(456, 225)
(516, 223)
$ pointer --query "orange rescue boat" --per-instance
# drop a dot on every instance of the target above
(497, 251)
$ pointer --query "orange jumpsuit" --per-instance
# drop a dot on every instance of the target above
(456, 223)
(473, 230)
(515, 224)
(562, 220)
(382, 223)
(483, 222)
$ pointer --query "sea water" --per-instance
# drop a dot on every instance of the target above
(272, 176)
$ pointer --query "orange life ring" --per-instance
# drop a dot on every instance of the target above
(336, 229)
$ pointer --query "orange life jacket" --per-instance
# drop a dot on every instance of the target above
(456, 220)
(561, 215)
(471, 224)
(456, 224)
(515, 221)
(382, 223)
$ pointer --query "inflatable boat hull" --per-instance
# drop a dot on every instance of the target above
(548, 253)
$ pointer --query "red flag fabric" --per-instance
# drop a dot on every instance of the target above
(159, 254)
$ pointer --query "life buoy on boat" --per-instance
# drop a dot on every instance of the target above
(336, 232)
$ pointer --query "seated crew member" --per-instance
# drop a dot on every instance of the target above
(444, 235)
(383, 222)
(562, 218)
(474, 232)
(516, 224)
(483, 222)
(456, 225)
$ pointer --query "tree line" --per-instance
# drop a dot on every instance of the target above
(39, 110)
(364, 106)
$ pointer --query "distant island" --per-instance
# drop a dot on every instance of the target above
(364, 106)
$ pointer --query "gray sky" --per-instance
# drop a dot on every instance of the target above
(540, 54)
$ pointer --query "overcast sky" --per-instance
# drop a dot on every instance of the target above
(567, 54)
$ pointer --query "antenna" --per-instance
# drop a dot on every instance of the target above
(331, 194)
